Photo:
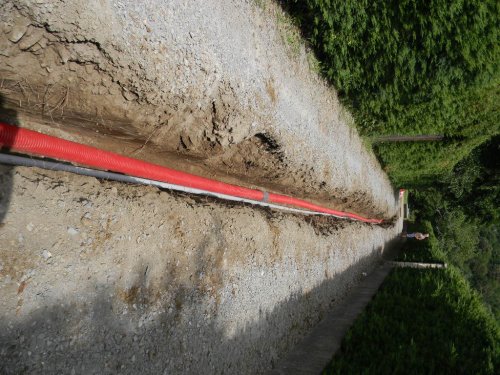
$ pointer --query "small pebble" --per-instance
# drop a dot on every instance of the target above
(46, 254)
(72, 231)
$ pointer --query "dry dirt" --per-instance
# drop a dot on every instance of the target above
(207, 86)
(101, 277)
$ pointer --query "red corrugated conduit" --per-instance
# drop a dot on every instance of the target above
(33, 143)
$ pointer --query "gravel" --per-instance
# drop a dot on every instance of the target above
(209, 288)
(101, 277)
(208, 86)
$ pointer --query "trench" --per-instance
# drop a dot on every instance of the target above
(98, 276)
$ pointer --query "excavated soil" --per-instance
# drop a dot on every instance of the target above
(102, 277)
(204, 86)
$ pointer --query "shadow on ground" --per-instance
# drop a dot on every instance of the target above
(9, 116)
(96, 337)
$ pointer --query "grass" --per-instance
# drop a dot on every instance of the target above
(412, 252)
(314, 62)
(421, 251)
(262, 4)
(291, 34)
(420, 164)
(421, 322)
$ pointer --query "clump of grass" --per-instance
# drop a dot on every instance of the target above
(289, 31)
(314, 62)
(262, 4)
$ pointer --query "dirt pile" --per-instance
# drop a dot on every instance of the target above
(164, 82)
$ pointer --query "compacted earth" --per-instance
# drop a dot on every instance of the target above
(104, 277)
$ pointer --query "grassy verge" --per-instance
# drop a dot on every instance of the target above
(420, 164)
(411, 67)
(421, 322)
(290, 33)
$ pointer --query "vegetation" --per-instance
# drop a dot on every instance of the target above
(415, 67)
(421, 251)
(412, 67)
(464, 209)
(409, 66)
(420, 164)
(421, 322)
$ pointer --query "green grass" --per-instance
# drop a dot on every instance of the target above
(421, 322)
(407, 66)
(420, 164)
(414, 252)
(290, 33)
(421, 251)
(262, 4)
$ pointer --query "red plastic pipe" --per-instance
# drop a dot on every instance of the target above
(34, 143)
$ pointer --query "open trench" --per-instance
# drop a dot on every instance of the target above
(102, 277)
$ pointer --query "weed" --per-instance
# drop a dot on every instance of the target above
(289, 31)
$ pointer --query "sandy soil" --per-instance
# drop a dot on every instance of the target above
(102, 277)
